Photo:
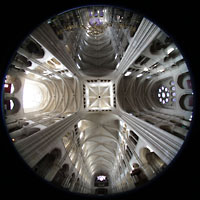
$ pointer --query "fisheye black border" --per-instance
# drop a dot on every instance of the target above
(17, 179)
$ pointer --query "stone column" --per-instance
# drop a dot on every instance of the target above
(52, 172)
(56, 167)
(66, 183)
(148, 171)
(144, 35)
(34, 147)
(24, 130)
(76, 177)
(165, 145)
(46, 37)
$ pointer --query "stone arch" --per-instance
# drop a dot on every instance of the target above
(184, 81)
(21, 62)
(17, 85)
(166, 128)
(138, 175)
(177, 123)
(35, 95)
(156, 46)
(151, 159)
(143, 152)
(186, 102)
(156, 163)
(46, 163)
(61, 176)
(177, 130)
(72, 179)
(16, 105)
(150, 121)
(56, 153)
(76, 186)
(32, 47)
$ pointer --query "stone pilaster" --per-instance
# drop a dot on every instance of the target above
(34, 147)
(165, 145)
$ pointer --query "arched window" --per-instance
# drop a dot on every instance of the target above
(34, 96)
(156, 46)
(61, 175)
(134, 135)
(163, 95)
(33, 48)
(130, 152)
(101, 180)
(138, 175)
(186, 102)
(124, 163)
(46, 163)
(133, 140)
(72, 179)
(155, 162)
(184, 81)
(11, 105)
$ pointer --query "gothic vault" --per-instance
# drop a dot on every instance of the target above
(98, 100)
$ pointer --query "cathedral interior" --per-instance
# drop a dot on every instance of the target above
(98, 100)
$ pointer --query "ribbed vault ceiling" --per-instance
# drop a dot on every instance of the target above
(100, 141)
(99, 96)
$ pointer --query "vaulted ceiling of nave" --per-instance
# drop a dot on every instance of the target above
(104, 65)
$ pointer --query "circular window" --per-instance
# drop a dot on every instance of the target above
(163, 94)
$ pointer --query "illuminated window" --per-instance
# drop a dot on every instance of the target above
(127, 73)
(173, 88)
(101, 178)
(163, 95)
(170, 50)
(12, 88)
(139, 75)
(11, 104)
(174, 94)
(174, 99)
(6, 85)
(55, 61)
(33, 95)
(81, 135)
(172, 83)
(9, 88)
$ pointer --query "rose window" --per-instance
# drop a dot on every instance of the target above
(163, 95)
